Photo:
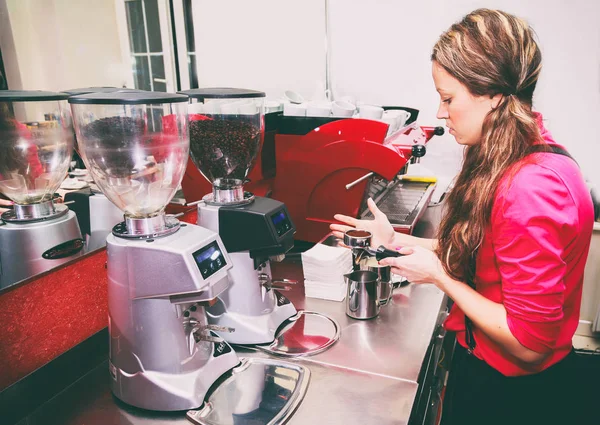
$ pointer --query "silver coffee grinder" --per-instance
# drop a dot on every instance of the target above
(163, 353)
(226, 128)
(36, 144)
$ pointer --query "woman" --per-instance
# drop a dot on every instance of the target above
(514, 238)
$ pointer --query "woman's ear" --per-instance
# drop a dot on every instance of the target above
(495, 100)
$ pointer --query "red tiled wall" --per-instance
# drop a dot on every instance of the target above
(48, 315)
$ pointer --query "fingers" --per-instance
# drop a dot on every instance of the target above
(396, 270)
(340, 228)
(373, 208)
(346, 219)
(339, 235)
(390, 261)
(406, 250)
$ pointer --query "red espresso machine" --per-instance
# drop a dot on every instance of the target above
(320, 167)
(328, 166)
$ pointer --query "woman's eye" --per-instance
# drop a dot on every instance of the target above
(446, 100)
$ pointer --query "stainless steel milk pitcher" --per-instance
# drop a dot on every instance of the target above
(362, 297)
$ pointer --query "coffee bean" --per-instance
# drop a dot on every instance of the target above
(224, 148)
(109, 142)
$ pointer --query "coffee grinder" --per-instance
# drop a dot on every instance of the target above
(163, 353)
(36, 144)
(226, 129)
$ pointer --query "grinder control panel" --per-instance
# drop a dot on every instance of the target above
(209, 259)
(263, 227)
(281, 222)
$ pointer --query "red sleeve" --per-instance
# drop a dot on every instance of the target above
(533, 221)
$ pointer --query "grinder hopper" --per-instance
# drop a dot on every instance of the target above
(226, 129)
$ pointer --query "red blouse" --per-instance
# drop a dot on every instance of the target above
(532, 258)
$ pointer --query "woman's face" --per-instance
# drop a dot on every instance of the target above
(464, 113)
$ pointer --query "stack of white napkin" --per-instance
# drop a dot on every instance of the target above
(324, 269)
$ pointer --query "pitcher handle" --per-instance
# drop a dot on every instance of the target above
(353, 297)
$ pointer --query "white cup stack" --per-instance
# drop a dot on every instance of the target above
(320, 108)
(372, 112)
(294, 109)
(324, 269)
(343, 109)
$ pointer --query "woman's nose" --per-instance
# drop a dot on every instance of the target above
(442, 112)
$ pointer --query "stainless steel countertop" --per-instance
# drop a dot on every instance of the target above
(368, 377)
(394, 343)
(334, 396)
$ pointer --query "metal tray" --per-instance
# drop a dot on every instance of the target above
(305, 334)
(258, 391)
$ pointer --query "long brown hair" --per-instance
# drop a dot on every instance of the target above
(490, 52)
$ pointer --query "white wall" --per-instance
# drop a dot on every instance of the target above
(269, 45)
(381, 49)
(590, 304)
(61, 44)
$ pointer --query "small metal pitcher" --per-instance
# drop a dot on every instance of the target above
(384, 274)
(362, 297)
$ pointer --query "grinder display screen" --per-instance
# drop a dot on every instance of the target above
(281, 222)
(209, 259)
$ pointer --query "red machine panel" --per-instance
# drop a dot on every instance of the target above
(313, 170)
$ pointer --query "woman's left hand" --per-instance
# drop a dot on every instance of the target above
(418, 265)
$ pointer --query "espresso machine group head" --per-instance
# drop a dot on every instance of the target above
(163, 353)
(36, 144)
(226, 130)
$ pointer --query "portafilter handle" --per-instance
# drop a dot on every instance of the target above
(382, 252)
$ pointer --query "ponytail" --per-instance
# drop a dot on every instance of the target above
(508, 64)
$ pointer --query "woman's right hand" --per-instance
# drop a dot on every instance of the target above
(380, 227)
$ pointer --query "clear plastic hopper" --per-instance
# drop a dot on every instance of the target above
(135, 145)
(226, 128)
(36, 144)
(88, 90)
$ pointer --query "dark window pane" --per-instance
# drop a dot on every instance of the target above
(141, 73)
(158, 67)
(189, 25)
(135, 23)
(193, 72)
(160, 86)
(153, 23)
(158, 73)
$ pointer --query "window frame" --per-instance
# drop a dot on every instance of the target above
(166, 36)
